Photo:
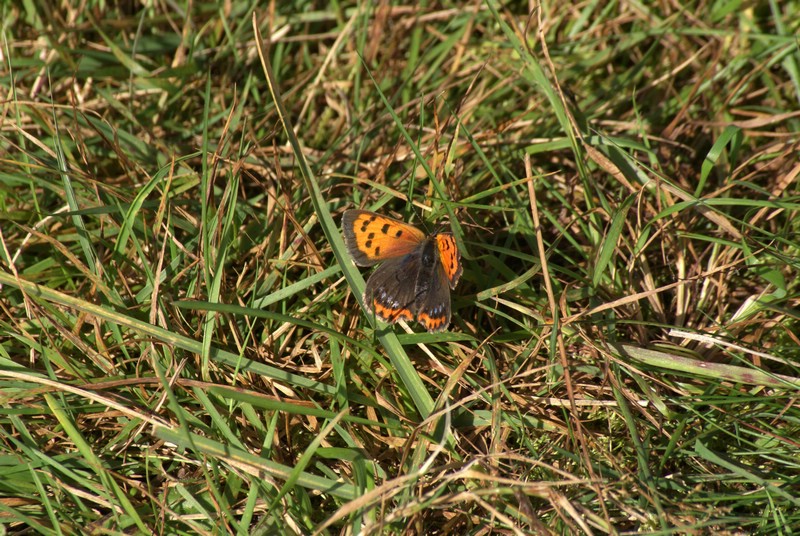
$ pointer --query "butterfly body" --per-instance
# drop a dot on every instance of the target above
(417, 271)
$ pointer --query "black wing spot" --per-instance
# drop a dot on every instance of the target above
(385, 228)
(368, 244)
(370, 236)
(399, 233)
(377, 251)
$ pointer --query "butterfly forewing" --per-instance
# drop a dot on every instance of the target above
(450, 257)
(372, 238)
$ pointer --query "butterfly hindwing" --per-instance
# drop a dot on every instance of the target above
(372, 238)
(432, 289)
(389, 293)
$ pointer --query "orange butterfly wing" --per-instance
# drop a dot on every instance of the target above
(372, 238)
(450, 257)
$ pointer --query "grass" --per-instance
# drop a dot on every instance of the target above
(183, 348)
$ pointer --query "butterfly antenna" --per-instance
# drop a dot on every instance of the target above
(418, 214)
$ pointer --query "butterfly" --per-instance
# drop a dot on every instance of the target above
(417, 273)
